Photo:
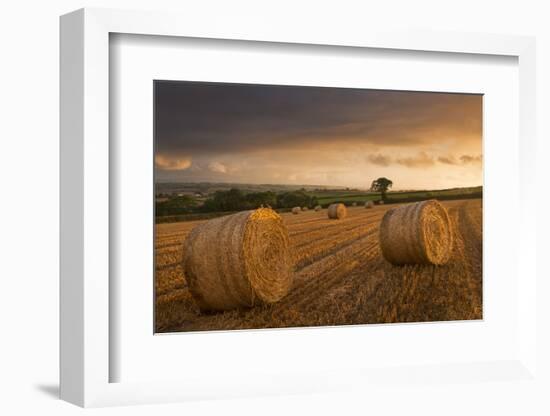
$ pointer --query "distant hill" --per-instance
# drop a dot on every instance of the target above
(205, 188)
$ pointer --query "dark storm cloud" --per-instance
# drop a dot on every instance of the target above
(211, 118)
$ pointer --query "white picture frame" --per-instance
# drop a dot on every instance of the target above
(85, 210)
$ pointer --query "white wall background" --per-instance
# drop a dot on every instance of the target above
(29, 206)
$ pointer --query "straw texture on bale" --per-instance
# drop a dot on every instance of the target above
(369, 204)
(305, 208)
(337, 211)
(318, 208)
(238, 260)
(296, 210)
(419, 233)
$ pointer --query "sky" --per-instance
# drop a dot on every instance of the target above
(296, 135)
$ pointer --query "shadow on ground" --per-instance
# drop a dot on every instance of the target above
(51, 390)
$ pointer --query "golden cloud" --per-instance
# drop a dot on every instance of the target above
(164, 163)
(462, 160)
(421, 160)
(468, 159)
(217, 167)
(379, 159)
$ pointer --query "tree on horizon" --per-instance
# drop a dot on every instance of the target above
(381, 185)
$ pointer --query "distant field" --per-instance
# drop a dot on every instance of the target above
(346, 196)
(329, 197)
(340, 276)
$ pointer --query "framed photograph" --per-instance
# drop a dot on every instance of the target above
(274, 206)
(271, 212)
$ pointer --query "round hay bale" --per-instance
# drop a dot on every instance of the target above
(354, 204)
(369, 204)
(305, 208)
(238, 260)
(337, 211)
(419, 233)
(380, 202)
(296, 210)
(318, 208)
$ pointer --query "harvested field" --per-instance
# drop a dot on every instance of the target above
(340, 276)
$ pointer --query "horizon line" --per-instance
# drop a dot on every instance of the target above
(316, 185)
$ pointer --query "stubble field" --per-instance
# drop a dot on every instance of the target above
(340, 276)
